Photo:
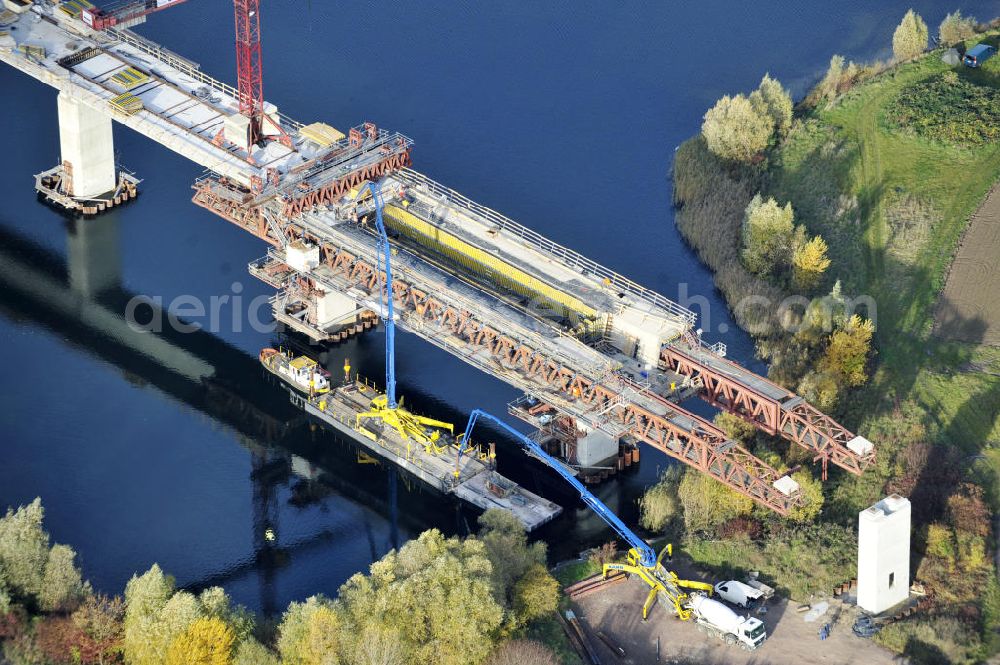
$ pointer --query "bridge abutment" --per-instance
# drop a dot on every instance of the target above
(86, 142)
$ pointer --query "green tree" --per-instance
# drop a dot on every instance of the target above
(145, 597)
(154, 616)
(252, 652)
(820, 388)
(910, 38)
(809, 262)
(828, 87)
(826, 313)
(437, 591)
(24, 550)
(207, 641)
(812, 497)
(708, 503)
(768, 230)
(62, 583)
(511, 556)
(215, 602)
(770, 98)
(535, 594)
(956, 28)
(659, 503)
(847, 354)
(177, 615)
(735, 427)
(378, 645)
(311, 633)
(5, 599)
(735, 130)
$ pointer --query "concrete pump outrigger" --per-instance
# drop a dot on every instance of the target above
(641, 559)
(662, 583)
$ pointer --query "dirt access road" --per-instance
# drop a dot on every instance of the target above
(617, 610)
(969, 309)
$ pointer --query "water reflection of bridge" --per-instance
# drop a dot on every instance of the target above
(80, 299)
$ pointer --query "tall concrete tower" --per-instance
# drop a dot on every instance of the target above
(884, 554)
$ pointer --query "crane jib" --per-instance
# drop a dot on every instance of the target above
(646, 553)
(384, 255)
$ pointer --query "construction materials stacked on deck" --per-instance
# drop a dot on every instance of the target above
(347, 409)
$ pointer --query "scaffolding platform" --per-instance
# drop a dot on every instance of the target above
(51, 185)
(473, 480)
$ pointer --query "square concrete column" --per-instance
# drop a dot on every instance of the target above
(335, 308)
(884, 554)
(87, 145)
(595, 447)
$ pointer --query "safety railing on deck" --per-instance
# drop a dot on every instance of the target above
(185, 66)
(568, 256)
(593, 366)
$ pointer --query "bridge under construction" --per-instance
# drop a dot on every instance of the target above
(600, 360)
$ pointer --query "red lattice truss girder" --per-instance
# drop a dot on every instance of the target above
(798, 421)
(331, 193)
(239, 208)
(701, 445)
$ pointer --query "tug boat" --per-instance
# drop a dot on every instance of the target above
(300, 372)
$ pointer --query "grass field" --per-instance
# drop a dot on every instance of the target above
(890, 174)
(908, 198)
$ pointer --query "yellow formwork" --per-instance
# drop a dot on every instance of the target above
(74, 8)
(481, 261)
(126, 103)
(129, 78)
(321, 134)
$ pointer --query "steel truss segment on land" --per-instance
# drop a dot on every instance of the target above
(766, 405)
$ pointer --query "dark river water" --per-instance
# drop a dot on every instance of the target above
(174, 448)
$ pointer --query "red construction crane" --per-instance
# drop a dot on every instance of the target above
(123, 14)
(249, 74)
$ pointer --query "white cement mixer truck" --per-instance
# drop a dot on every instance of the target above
(715, 618)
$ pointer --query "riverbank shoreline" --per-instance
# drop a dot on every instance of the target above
(894, 206)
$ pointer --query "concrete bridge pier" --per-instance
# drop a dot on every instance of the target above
(88, 150)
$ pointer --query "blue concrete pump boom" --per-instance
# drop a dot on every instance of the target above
(385, 293)
(647, 557)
